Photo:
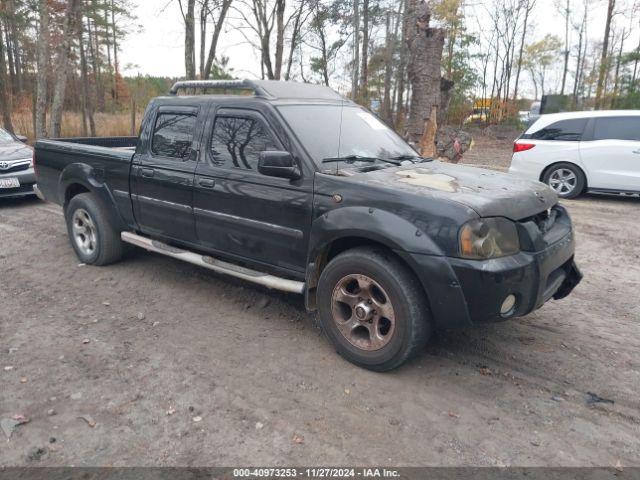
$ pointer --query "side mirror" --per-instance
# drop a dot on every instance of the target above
(22, 138)
(278, 164)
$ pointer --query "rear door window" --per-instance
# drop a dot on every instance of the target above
(564, 130)
(617, 128)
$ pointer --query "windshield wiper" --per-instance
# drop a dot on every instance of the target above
(359, 158)
(413, 158)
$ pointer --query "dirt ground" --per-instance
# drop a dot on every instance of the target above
(179, 366)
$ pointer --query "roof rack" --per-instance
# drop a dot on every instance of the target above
(220, 85)
(268, 89)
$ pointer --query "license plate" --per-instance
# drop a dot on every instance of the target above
(9, 183)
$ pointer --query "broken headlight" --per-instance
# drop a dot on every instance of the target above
(488, 238)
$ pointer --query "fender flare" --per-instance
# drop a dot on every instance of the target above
(380, 226)
(89, 178)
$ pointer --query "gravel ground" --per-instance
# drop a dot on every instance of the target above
(156, 362)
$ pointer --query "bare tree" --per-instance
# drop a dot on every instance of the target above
(224, 6)
(355, 82)
(189, 37)
(604, 59)
(566, 12)
(42, 63)
(364, 69)
(62, 71)
(529, 6)
(5, 94)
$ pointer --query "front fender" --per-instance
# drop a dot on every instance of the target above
(91, 179)
(380, 226)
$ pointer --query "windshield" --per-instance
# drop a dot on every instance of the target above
(5, 136)
(333, 131)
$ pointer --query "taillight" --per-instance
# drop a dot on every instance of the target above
(522, 147)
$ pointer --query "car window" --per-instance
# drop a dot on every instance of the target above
(5, 136)
(237, 142)
(173, 135)
(617, 128)
(565, 130)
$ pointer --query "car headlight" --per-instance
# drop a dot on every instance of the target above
(488, 238)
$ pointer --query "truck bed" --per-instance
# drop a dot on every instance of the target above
(104, 162)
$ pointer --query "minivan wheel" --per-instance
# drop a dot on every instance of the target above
(372, 309)
(566, 179)
(94, 239)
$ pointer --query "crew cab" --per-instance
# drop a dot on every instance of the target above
(293, 187)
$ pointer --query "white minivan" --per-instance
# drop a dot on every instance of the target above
(582, 151)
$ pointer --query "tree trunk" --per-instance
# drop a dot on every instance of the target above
(425, 62)
(189, 40)
(364, 69)
(387, 114)
(116, 69)
(616, 81)
(528, 8)
(5, 95)
(576, 82)
(604, 60)
(87, 101)
(280, 11)
(356, 50)
(204, 13)
(11, 86)
(295, 34)
(566, 46)
(226, 4)
(62, 60)
(41, 75)
(402, 69)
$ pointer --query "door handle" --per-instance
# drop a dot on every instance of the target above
(637, 152)
(147, 172)
(206, 183)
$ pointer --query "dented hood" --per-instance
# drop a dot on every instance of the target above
(489, 193)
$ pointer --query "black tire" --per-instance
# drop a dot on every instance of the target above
(411, 329)
(108, 247)
(580, 180)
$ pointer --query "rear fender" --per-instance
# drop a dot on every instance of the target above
(93, 180)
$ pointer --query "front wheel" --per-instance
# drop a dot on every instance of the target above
(94, 239)
(372, 309)
(566, 179)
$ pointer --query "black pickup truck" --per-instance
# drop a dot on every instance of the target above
(295, 188)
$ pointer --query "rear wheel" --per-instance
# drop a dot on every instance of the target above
(94, 239)
(566, 179)
(372, 308)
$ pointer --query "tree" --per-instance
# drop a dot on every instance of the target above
(189, 38)
(539, 57)
(425, 60)
(43, 60)
(5, 96)
(566, 13)
(529, 6)
(604, 59)
(222, 9)
(62, 71)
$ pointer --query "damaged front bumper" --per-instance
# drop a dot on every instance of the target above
(466, 292)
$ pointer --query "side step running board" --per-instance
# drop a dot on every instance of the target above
(216, 265)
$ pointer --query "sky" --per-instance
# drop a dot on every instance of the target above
(157, 48)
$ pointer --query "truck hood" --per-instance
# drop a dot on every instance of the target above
(14, 151)
(488, 193)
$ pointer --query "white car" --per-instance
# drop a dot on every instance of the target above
(582, 151)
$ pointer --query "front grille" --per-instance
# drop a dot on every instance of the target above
(15, 168)
(544, 220)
